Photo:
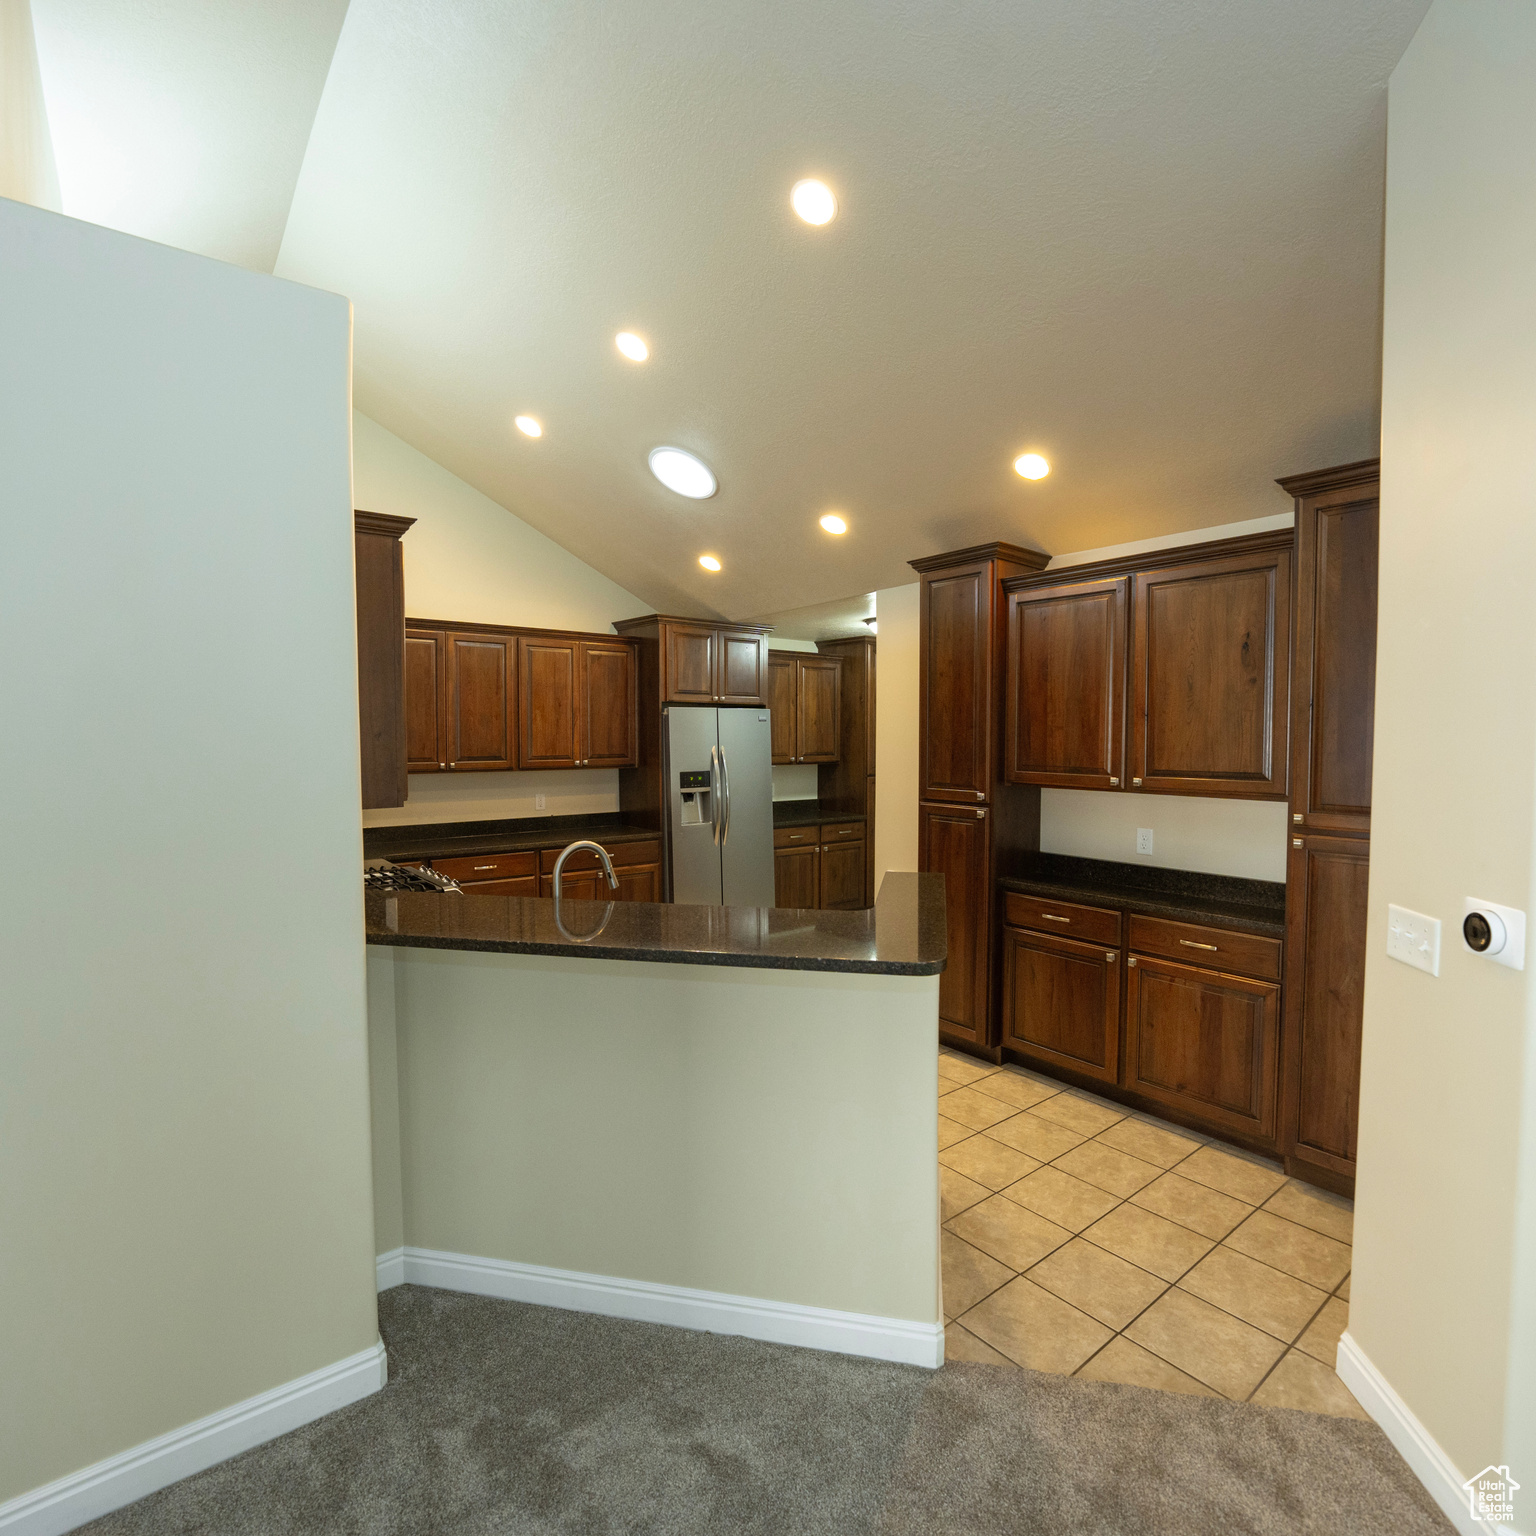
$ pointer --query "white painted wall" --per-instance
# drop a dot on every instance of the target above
(469, 559)
(27, 171)
(1444, 1288)
(1215, 837)
(896, 730)
(184, 1164)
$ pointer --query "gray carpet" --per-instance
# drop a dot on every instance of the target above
(501, 1418)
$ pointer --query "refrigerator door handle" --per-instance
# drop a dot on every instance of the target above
(714, 794)
(725, 782)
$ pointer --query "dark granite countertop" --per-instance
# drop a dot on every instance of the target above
(1223, 901)
(903, 935)
(808, 813)
(445, 839)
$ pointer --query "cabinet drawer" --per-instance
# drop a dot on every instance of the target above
(1218, 949)
(796, 837)
(474, 868)
(523, 885)
(842, 832)
(622, 854)
(1093, 925)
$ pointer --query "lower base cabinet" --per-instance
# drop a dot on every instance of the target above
(1204, 1042)
(820, 867)
(531, 873)
(954, 841)
(1062, 1002)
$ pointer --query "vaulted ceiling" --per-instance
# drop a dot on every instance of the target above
(1141, 239)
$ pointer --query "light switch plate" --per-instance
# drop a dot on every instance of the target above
(1414, 939)
(1143, 839)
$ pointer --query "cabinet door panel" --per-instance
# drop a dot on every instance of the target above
(640, 882)
(547, 676)
(956, 685)
(1210, 707)
(1061, 1002)
(578, 885)
(380, 579)
(842, 876)
(1205, 1042)
(426, 682)
(953, 842)
(782, 673)
(796, 877)
(608, 719)
(1325, 997)
(742, 660)
(689, 664)
(818, 704)
(480, 705)
(1066, 685)
(1336, 660)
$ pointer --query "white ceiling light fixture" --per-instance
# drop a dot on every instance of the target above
(1031, 466)
(633, 347)
(813, 201)
(834, 524)
(709, 562)
(529, 426)
(683, 472)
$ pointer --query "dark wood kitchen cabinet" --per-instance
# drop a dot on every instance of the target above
(797, 874)
(458, 699)
(380, 581)
(804, 696)
(1332, 727)
(1065, 707)
(847, 785)
(637, 867)
(1204, 1043)
(1210, 674)
(819, 867)
(842, 872)
(971, 822)
(702, 662)
(576, 703)
(1062, 1004)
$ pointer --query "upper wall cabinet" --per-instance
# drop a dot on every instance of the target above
(1210, 667)
(804, 699)
(1333, 713)
(500, 698)
(576, 702)
(702, 662)
(381, 655)
(1064, 720)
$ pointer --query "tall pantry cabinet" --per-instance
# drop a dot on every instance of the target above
(1332, 723)
(971, 822)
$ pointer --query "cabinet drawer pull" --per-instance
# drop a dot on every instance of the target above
(485, 866)
(1051, 917)
(1109, 955)
(845, 832)
(1195, 944)
(795, 837)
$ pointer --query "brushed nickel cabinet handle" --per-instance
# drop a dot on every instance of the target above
(1132, 962)
(1135, 781)
(979, 795)
(845, 832)
(1296, 842)
(1296, 816)
(1114, 783)
(1051, 917)
(485, 866)
(1109, 955)
(1194, 944)
(980, 815)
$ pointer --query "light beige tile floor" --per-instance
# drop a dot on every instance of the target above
(1084, 1238)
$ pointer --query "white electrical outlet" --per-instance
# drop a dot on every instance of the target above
(538, 802)
(1414, 939)
(1143, 839)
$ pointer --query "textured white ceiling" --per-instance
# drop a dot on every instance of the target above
(185, 121)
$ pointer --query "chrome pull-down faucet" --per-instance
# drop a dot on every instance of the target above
(599, 850)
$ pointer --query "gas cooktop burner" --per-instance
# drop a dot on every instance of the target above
(384, 876)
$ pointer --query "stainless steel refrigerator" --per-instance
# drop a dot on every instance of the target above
(717, 765)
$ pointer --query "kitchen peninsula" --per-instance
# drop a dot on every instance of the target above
(718, 1117)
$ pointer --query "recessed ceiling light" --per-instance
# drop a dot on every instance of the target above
(529, 426)
(813, 201)
(834, 524)
(681, 471)
(709, 562)
(633, 347)
(1031, 466)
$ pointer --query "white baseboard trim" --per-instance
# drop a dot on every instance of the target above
(775, 1322)
(98, 1490)
(391, 1268)
(1423, 1453)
